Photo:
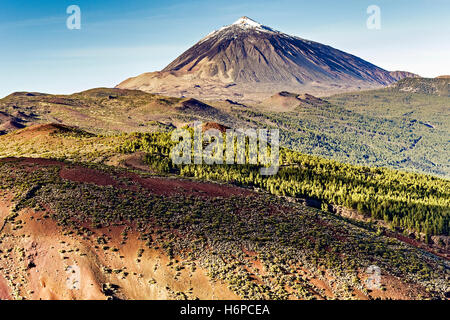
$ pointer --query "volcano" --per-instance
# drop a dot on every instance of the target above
(247, 59)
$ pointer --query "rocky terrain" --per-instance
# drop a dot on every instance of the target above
(72, 236)
(93, 222)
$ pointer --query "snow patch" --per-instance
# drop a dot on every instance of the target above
(246, 22)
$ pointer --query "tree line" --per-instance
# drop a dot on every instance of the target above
(409, 201)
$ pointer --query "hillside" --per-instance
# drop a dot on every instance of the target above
(104, 110)
(418, 202)
(154, 234)
(438, 86)
(383, 128)
(398, 75)
(418, 105)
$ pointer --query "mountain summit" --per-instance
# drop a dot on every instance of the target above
(246, 22)
(247, 58)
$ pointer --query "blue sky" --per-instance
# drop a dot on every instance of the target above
(119, 39)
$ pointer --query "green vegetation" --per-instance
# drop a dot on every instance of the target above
(402, 127)
(401, 131)
(429, 86)
(406, 200)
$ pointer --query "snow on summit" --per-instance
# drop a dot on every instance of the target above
(246, 22)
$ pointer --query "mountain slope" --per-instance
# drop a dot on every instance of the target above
(170, 238)
(247, 58)
(249, 52)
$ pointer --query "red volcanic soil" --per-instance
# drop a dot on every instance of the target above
(169, 186)
(39, 129)
(214, 125)
(156, 185)
(33, 161)
(50, 250)
(50, 253)
(86, 175)
(4, 292)
(441, 252)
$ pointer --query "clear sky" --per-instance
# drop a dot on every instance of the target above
(119, 38)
